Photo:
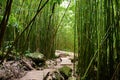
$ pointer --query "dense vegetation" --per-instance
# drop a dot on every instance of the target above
(98, 38)
(90, 28)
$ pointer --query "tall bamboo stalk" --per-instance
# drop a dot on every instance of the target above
(98, 30)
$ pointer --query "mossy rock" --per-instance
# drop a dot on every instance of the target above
(66, 71)
(38, 58)
(35, 55)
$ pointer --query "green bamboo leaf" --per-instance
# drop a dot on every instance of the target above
(57, 1)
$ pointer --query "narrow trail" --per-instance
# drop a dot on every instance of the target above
(40, 74)
(36, 74)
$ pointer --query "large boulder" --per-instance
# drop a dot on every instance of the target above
(38, 58)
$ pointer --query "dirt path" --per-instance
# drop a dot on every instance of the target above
(36, 74)
(40, 74)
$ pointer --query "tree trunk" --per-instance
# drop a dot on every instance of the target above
(3, 24)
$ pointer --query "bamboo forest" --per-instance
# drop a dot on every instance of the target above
(59, 39)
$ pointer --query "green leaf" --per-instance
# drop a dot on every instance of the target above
(59, 1)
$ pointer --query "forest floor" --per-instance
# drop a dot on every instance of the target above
(42, 72)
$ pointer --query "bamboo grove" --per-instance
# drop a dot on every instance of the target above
(34, 25)
(98, 28)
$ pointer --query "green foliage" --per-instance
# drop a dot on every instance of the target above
(57, 1)
(8, 44)
(65, 34)
(0, 53)
(2, 2)
(95, 22)
(2, 6)
(43, 35)
(13, 23)
(1, 18)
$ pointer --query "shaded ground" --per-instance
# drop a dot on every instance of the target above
(33, 74)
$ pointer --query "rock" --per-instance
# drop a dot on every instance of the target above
(59, 53)
(65, 71)
(72, 78)
(50, 63)
(35, 55)
(53, 75)
(38, 58)
(58, 60)
(66, 61)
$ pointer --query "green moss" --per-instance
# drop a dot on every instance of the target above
(35, 55)
(38, 58)
(66, 70)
